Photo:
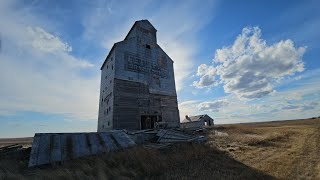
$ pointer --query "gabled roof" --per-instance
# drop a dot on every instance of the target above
(194, 118)
(136, 23)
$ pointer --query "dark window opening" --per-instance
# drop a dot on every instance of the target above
(148, 46)
(110, 81)
(102, 126)
(108, 123)
(111, 58)
(107, 66)
(112, 66)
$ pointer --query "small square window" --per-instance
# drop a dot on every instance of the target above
(148, 46)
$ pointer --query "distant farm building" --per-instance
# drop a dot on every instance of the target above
(197, 121)
(137, 83)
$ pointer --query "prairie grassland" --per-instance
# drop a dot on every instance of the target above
(284, 149)
(183, 161)
(275, 150)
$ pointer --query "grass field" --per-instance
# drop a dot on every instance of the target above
(272, 150)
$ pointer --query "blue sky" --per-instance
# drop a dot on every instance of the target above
(238, 61)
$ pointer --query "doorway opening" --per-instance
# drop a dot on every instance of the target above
(148, 122)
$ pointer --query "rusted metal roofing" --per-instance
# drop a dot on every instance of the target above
(55, 147)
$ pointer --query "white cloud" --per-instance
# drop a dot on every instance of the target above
(298, 102)
(250, 67)
(47, 42)
(207, 76)
(38, 72)
(212, 106)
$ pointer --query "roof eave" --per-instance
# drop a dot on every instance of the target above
(108, 56)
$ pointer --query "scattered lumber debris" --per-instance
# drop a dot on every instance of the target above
(51, 148)
(57, 147)
(11, 147)
(175, 136)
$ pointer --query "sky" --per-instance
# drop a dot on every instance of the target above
(237, 61)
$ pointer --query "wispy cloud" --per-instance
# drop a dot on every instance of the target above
(177, 24)
(38, 72)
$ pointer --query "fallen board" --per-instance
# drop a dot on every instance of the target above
(56, 147)
(175, 136)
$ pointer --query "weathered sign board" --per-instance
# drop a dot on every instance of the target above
(56, 147)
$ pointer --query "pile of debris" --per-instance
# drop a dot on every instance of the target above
(175, 136)
(9, 150)
(162, 138)
(52, 148)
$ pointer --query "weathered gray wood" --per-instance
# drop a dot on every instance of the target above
(44, 150)
(81, 147)
(34, 151)
(123, 139)
(56, 154)
(108, 142)
(95, 146)
(50, 147)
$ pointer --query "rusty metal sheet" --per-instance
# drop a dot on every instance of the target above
(55, 147)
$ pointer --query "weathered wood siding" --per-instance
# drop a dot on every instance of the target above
(133, 99)
(143, 82)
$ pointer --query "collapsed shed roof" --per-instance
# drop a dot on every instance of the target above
(54, 147)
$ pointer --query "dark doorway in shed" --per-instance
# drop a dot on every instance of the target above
(148, 122)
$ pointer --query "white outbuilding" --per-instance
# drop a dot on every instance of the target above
(197, 121)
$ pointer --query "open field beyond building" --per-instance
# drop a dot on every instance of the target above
(271, 150)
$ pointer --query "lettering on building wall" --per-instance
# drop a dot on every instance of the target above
(140, 65)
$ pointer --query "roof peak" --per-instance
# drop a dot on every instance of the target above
(138, 22)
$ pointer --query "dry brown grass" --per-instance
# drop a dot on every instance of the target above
(285, 150)
(184, 161)
(27, 141)
(276, 150)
